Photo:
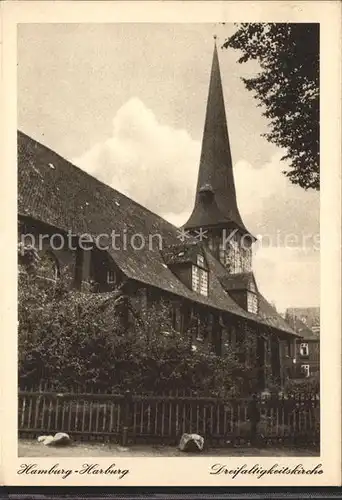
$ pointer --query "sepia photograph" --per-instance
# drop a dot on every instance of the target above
(168, 240)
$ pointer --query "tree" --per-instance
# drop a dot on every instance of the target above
(288, 88)
(76, 339)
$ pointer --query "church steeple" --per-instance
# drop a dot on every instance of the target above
(215, 203)
(216, 208)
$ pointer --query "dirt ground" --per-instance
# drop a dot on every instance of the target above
(31, 448)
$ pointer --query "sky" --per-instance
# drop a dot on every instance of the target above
(126, 102)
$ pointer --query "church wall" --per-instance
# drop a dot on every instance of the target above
(65, 256)
(104, 272)
(207, 328)
(81, 266)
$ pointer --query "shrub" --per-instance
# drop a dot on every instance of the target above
(80, 339)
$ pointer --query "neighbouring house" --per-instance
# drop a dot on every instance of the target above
(209, 285)
(306, 322)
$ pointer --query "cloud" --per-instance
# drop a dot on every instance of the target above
(289, 276)
(152, 163)
(273, 207)
(157, 166)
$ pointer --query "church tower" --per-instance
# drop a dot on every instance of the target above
(216, 210)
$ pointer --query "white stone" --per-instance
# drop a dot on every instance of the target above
(48, 441)
(41, 439)
(61, 438)
(191, 442)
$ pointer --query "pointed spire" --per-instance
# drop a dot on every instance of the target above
(215, 202)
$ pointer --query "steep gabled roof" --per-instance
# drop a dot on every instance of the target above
(215, 203)
(53, 191)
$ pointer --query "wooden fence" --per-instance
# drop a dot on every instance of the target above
(130, 418)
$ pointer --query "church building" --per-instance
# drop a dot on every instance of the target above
(207, 282)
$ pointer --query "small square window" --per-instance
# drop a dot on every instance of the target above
(111, 278)
(306, 370)
(199, 330)
(200, 260)
(304, 349)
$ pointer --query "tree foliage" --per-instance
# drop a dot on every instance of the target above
(74, 339)
(288, 88)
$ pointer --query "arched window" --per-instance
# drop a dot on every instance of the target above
(48, 266)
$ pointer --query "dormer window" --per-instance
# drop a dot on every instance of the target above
(188, 262)
(199, 280)
(243, 290)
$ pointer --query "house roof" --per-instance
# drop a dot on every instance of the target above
(53, 191)
(304, 321)
(308, 316)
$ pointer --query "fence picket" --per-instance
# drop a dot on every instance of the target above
(134, 415)
(69, 416)
(23, 407)
(90, 416)
(57, 412)
(170, 419)
(104, 417)
(49, 416)
(204, 420)
(76, 414)
(163, 418)
(36, 412)
(118, 417)
(148, 418)
(183, 419)
(142, 417)
(97, 417)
